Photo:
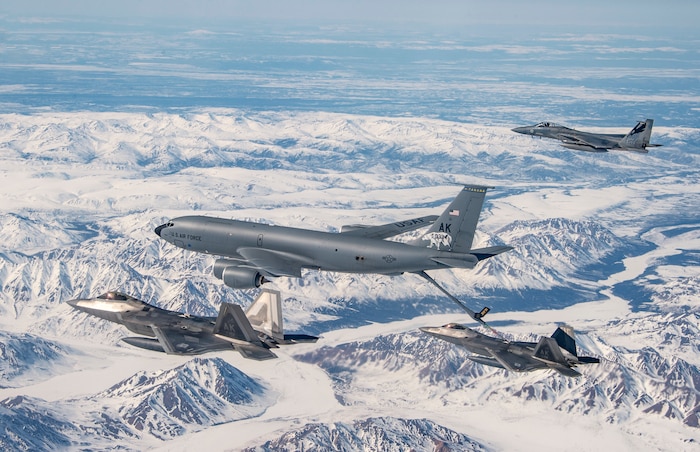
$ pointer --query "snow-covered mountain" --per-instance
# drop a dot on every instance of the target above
(628, 384)
(26, 359)
(605, 242)
(198, 394)
(161, 405)
(373, 434)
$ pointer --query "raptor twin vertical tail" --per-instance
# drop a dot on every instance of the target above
(265, 316)
(559, 352)
(233, 325)
(566, 339)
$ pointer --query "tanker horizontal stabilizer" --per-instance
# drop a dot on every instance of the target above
(388, 230)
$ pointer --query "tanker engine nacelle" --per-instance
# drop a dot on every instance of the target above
(237, 277)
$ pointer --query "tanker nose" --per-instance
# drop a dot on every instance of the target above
(159, 228)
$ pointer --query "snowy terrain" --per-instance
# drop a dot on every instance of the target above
(163, 405)
(606, 242)
(108, 127)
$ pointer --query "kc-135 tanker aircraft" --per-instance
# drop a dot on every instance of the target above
(636, 140)
(252, 333)
(557, 352)
(255, 252)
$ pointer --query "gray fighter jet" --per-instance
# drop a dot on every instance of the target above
(636, 140)
(252, 333)
(256, 252)
(557, 352)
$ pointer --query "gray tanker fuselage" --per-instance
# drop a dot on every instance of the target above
(255, 252)
(318, 250)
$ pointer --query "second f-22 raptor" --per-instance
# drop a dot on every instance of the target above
(557, 352)
(252, 333)
(636, 140)
(254, 252)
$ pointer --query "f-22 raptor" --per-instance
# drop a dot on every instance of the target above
(254, 253)
(636, 140)
(252, 333)
(557, 352)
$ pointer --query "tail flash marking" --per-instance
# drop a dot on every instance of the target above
(439, 240)
(454, 229)
(548, 350)
(639, 136)
(233, 324)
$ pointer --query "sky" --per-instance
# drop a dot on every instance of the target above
(669, 13)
